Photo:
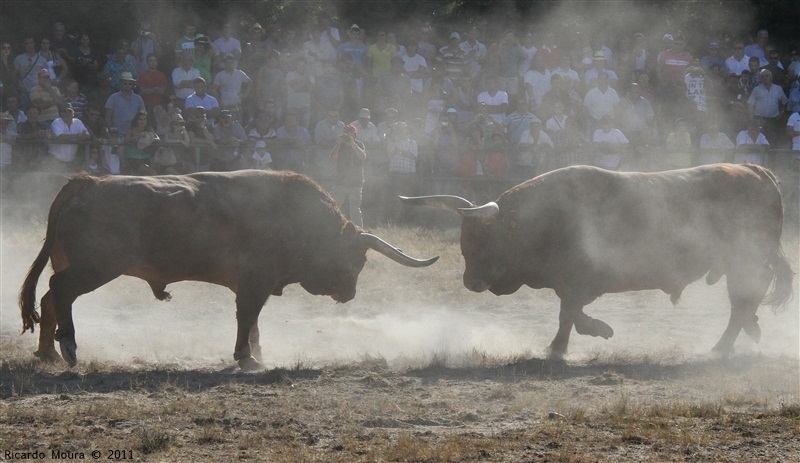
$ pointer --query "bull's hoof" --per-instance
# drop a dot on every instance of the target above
(556, 353)
(49, 356)
(601, 328)
(251, 364)
(68, 348)
(723, 350)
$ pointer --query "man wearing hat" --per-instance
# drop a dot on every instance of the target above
(712, 57)
(672, 65)
(348, 156)
(599, 66)
(367, 132)
(123, 105)
(355, 46)
(46, 97)
(453, 58)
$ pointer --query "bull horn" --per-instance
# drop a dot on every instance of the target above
(377, 244)
(446, 202)
(487, 211)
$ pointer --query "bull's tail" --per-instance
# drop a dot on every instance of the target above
(27, 294)
(781, 291)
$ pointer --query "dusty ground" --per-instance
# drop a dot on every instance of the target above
(416, 368)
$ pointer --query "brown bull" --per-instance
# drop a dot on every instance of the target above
(584, 232)
(251, 231)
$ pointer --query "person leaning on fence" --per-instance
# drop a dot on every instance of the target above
(8, 137)
(348, 157)
(71, 132)
(34, 134)
(230, 138)
(139, 147)
(751, 144)
(715, 146)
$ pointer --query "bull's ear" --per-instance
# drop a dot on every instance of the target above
(349, 230)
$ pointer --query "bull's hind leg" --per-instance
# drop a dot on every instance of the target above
(46, 349)
(66, 286)
(746, 289)
(249, 301)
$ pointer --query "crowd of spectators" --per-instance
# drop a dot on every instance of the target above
(414, 103)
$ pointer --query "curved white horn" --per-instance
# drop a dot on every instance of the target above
(377, 244)
(486, 211)
(446, 202)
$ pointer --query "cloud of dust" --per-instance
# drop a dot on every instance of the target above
(121, 321)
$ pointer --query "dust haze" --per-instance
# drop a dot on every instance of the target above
(404, 315)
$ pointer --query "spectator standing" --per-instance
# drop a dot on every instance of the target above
(496, 100)
(326, 134)
(271, 83)
(402, 178)
(793, 130)
(186, 43)
(318, 52)
(299, 86)
(183, 78)
(751, 145)
(348, 157)
(511, 56)
(233, 86)
(738, 61)
(537, 151)
(609, 144)
(85, 65)
(600, 101)
(46, 97)
(714, 145)
(9, 80)
(67, 129)
(528, 52)
(778, 74)
(474, 51)
(120, 62)
(138, 150)
(637, 118)
(230, 138)
(599, 65)
(74, 98)
(678, 146)
(416, 67)
(550, 52)
(379, 55)
(56, 64)
(8, 137)
(228, 44)
(354, 46)
(122, 106)
(759, 48)
(452, 58)
(768, 102)
(569, 75)
(204, 54)
(292, 140)
(12, 108)
(201, 98)
(27, 65)
(537, 83)
(712, 56)
(672, 66)
(36, 133)
(152, 84)
(144, 45)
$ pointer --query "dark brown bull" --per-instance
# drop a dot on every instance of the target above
(253, 232)
(584, 232)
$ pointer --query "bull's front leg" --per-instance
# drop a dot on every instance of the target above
(248, 306)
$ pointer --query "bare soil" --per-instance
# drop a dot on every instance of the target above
(414, 369)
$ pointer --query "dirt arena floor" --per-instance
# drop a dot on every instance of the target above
(415, 369)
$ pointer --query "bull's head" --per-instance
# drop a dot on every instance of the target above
(482, 236)
(336, 270)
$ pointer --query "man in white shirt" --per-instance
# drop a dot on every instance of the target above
(233, 86)
(226, 44)
(738, 61)
(496, 100)
(67, 128)
(183, 76)
(600, 101)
